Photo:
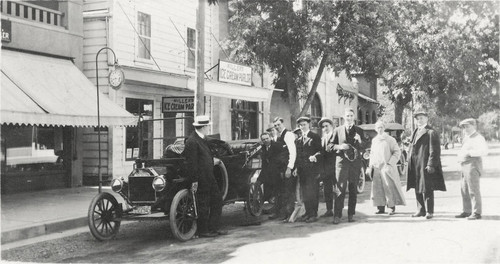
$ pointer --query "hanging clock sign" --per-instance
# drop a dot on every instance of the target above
(116, 78)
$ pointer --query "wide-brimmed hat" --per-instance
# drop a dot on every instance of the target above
(202, 120)
(325, 119)
(269, 128)
(303, 118)
(468, 121)
(420, 112)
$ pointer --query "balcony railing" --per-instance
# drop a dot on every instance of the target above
(27, 11)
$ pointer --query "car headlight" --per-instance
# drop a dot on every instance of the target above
(159, 183)
(366, 155)
(116, 185)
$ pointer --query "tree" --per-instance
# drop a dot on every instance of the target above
(291, 43)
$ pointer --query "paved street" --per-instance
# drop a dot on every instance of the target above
(371, 239)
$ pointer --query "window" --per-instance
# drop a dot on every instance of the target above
(191, 48)
(143, 108)
(144, 28)
(243, 119)
(374, 117)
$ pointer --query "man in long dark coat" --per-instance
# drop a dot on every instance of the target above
(308, 168)
(328, 172)
(200, 165)
(425, 173)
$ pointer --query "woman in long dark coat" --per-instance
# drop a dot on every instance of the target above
(424, 170)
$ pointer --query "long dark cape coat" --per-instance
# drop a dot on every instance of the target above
(425, 150)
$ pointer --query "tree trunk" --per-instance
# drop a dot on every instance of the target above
(292, 97)
(314, 88)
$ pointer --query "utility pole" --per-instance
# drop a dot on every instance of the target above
(199, 94)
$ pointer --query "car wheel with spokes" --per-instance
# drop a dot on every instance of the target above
(183, 216)
(103, 213)
(361, 181)
(255, 199)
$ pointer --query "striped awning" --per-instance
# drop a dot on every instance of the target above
(41, 90)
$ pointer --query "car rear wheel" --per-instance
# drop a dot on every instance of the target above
(255, 199)
(102, 215)
(182, 215)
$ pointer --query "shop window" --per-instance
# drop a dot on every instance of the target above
(191, 48)
(244, 119)
(144, 28)
(32, 148)
(144, 108)
(315, 113)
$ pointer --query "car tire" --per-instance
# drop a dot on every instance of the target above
(102, 214)
(182, 215)
(361, 181)
(254, 199)
(220, 173)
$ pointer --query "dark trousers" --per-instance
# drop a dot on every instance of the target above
(328, 181)
(422, 199)
(209, 205)
(347, 177)
(309, 184)
(287, 196)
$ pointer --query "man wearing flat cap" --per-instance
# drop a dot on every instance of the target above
(308, 168)
(328, 173)
(425, 173)
(470, 158)
(200, 166)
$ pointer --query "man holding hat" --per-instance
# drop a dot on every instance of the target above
(328, 172)
(200, 164)
(308, 168)
(424, 170)
(473, 148)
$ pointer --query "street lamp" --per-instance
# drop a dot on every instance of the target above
(116, 78)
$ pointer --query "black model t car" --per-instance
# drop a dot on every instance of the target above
(157, 189)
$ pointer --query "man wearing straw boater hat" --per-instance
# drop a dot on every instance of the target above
(200, 164)
(425, 172)
(473, 148)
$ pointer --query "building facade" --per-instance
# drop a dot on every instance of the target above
(46, 99)
(155, 44)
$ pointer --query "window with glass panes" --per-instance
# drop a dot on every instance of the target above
(144, 29)
(144, 108)
(244, 119)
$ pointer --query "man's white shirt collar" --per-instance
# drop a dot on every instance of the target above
(200, 134)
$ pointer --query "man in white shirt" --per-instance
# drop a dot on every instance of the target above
(473, 148)
(285, 158)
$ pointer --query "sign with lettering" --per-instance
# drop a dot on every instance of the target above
(6, 30)
(177, 104)
(235, 73)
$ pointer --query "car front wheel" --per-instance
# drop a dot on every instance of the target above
(102, 216)
(183, 216)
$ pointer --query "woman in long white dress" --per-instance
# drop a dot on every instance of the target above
(386, 185)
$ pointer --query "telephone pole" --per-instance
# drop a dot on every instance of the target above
(199, 94)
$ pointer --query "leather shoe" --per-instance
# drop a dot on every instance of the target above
(311, 219)
(222, 232)
(327, 214)
(393, 210)
(419, 214)
(474, 217)
(462, 215)
(350, 219)
(209, 234)
(429, 216)
(336, 220)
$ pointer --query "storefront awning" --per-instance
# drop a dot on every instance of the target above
(40, 90)
(234, 91)
(366, 98)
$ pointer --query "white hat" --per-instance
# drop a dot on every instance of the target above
(202, 120)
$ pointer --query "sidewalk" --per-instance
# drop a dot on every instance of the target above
(28, 215)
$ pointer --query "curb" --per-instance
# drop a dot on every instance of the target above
(42, 229)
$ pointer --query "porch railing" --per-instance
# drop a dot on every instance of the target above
(27, 11)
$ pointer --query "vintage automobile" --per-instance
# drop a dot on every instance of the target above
(157, 189)
(393, 129)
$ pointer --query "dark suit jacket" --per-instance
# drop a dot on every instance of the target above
(328, 157)
(340, 137)
(309, 145)
(425, 150)
(270, 165)
(200, 162)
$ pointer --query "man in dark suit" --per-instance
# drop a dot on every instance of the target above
(200, 164)
(328, 172)
(347, 141)
(425, 172)
(308, 168)
(269, 175)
